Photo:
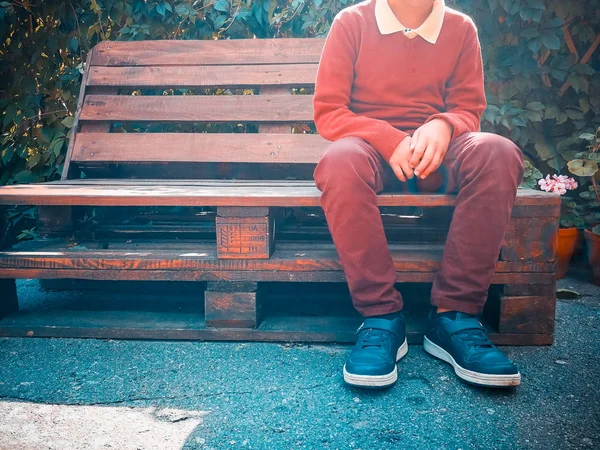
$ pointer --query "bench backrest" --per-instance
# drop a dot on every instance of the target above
(142, 105)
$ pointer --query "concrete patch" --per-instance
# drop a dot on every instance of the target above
(32, 426)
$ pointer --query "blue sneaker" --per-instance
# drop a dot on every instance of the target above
(460, 340)
(380, 344)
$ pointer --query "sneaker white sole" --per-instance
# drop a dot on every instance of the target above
(481, 379)
(377, 381)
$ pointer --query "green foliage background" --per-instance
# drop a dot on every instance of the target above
(43, 46)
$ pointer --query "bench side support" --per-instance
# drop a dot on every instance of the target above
(9, 303)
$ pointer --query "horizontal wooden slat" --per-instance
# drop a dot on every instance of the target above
(198, 147)
(209, 52)
(198, 108)
(191, 326)
(141, 256)
(171, 77)
(207, 193)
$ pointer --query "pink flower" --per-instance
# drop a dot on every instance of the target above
(558, 184)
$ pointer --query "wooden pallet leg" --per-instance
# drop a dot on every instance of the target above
(8, 297)
(231, 304)
(54, 222)
(527, 310)
(245, 232)
(8, 286)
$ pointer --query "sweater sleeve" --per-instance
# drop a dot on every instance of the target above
(333, 118)
(465, 94)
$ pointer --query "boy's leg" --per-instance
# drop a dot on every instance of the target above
(484, 170)
(349, 175)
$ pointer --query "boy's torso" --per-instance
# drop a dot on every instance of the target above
(398, 77)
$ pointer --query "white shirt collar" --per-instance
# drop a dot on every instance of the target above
(429, 30)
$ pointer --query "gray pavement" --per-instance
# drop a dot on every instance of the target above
(89, 394)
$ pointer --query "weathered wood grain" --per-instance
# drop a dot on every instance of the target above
(209, 52)
(275, 127)
(546, 290)
(102, 148)
(529, 239)
(218, 193)
(231, 305)
(141, 256)
(530, 314)
(244, 237)
(198, 108)
(171, 77)
(536, 210)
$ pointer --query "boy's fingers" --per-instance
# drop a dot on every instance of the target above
(398, 171)
(432, 167)
(428, 156)
(407, 169)
(413, 140)
(420, 147)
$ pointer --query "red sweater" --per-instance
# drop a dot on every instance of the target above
(381, 88)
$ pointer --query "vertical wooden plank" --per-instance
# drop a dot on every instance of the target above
(530, 239)
(84, 80)
(244, 233)
(231, 304)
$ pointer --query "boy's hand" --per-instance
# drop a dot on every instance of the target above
(399, 161)
(429, 145)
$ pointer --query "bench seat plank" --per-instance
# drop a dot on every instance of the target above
(198, 108)
(99, 192)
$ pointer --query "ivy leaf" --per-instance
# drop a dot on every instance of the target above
(219, 21)
(7, 154)
(530, 33)
(9, 114)
(535, 106)
(534, 45)
(221, 5)
(68, 121)
(74, 44)
(582, 169)
(25, 176)
(587, 136)
(163, 7)
(550, 40)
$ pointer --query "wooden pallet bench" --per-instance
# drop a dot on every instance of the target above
(231, 211)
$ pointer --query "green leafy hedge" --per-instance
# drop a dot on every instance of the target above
(540, 92)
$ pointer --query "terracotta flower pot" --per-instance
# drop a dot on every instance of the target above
(566, 239)
(593, 251)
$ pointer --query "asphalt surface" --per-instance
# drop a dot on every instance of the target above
(88, 394)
